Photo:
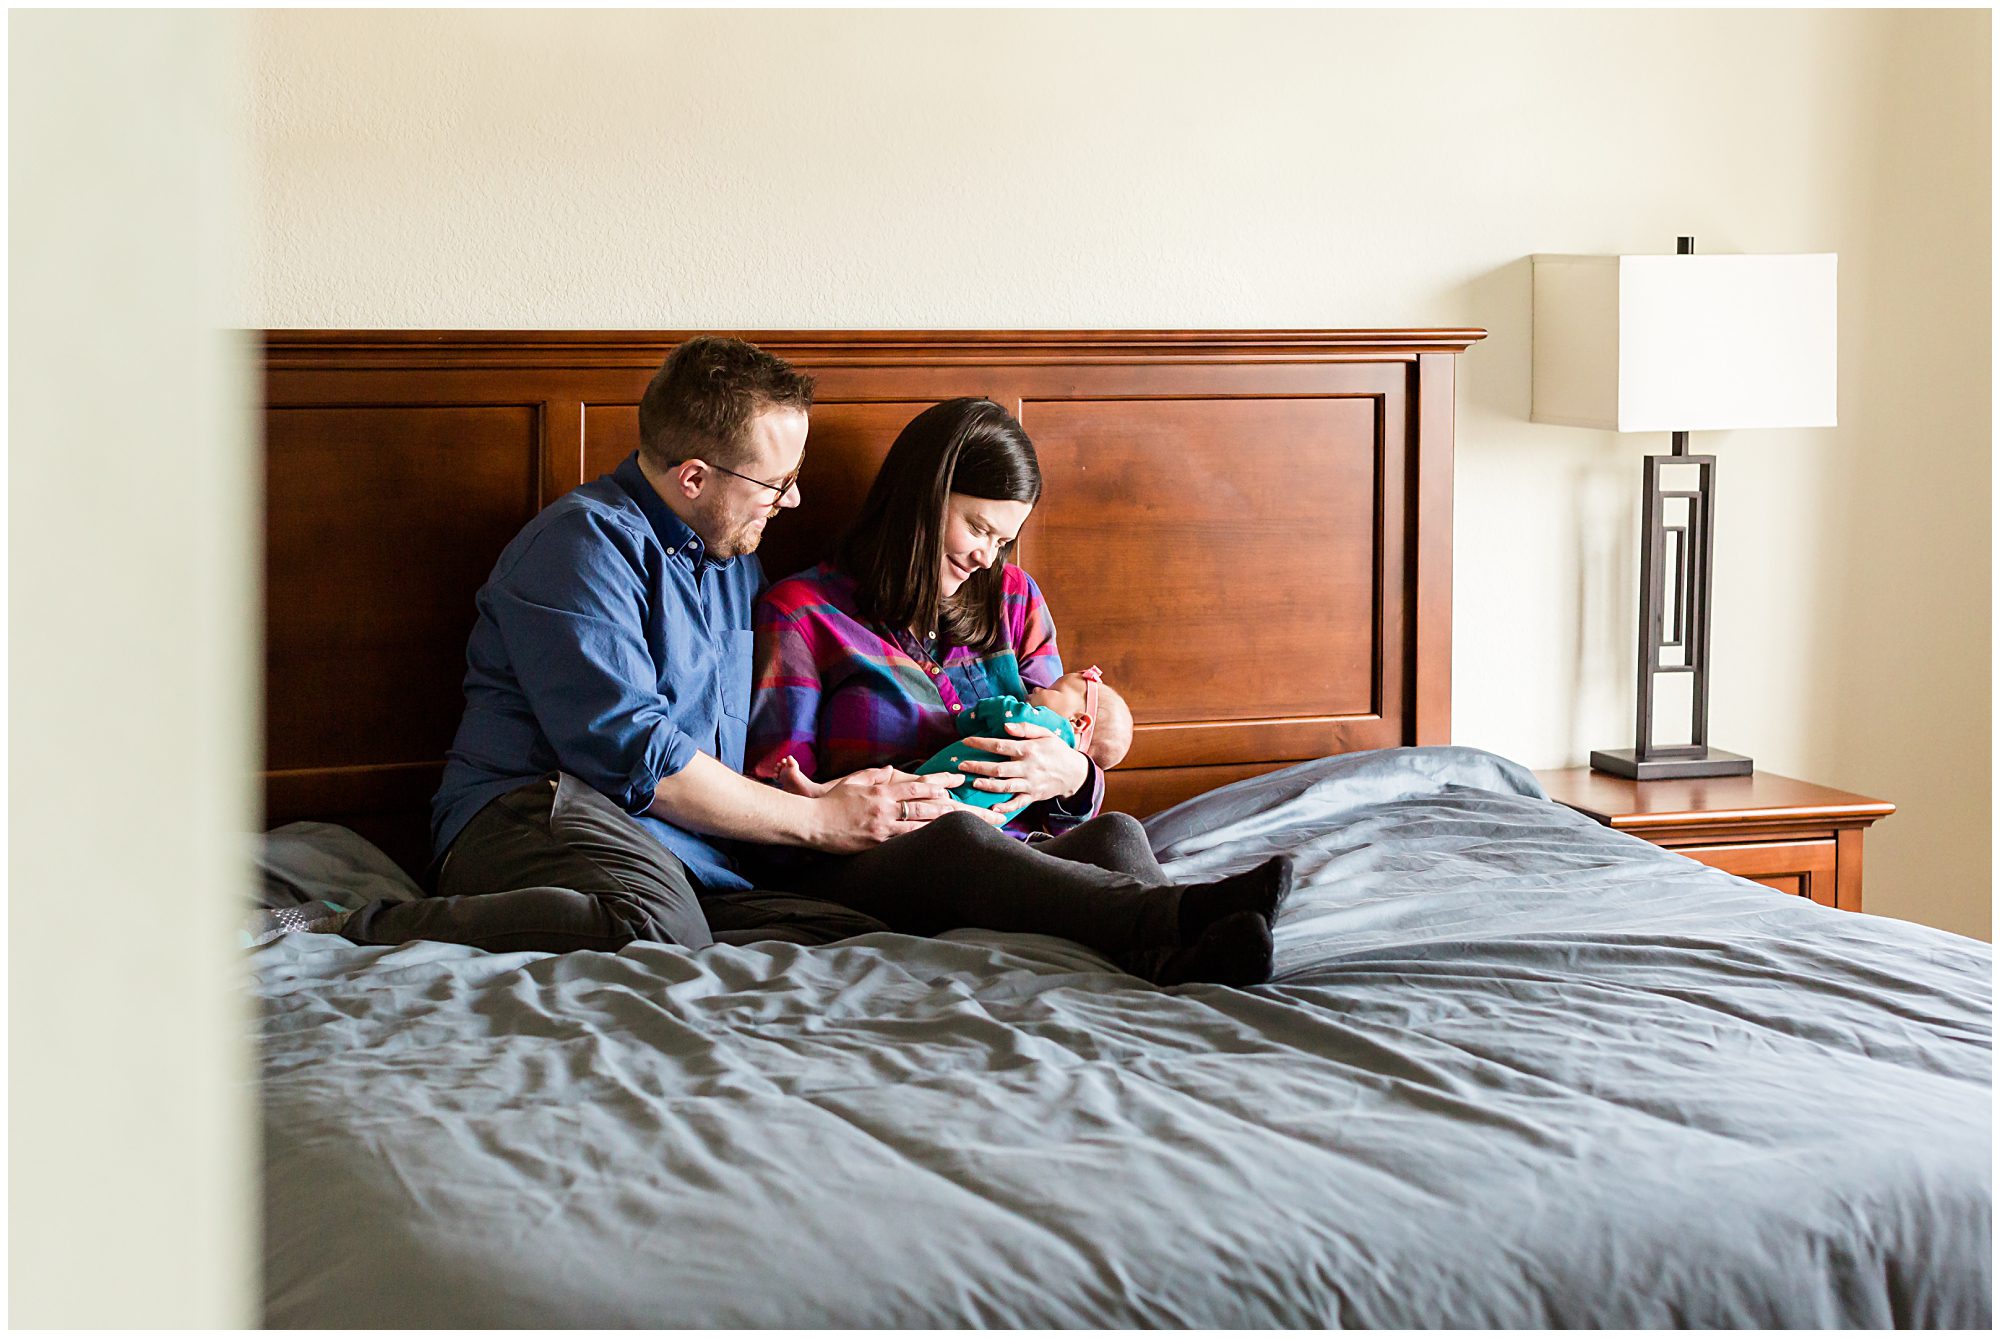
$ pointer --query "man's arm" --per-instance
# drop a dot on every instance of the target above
(569, 615)
(569, 611)
(853, 813)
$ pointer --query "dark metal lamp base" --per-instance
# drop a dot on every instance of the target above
(1625, 762)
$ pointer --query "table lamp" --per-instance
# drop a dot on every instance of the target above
(1681, 343)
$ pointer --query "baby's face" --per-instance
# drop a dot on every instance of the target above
(1065, 697)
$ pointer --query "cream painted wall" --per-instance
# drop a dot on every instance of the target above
(132, 657)
(1196, 169)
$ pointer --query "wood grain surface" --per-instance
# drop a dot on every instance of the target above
(1249, 530)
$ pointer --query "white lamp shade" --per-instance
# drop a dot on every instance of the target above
(1685, 343)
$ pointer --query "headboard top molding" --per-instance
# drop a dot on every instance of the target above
(1250, 530)
(307, 349)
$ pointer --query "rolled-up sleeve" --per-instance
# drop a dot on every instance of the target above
(571, 612)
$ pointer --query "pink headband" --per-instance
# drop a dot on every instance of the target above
(1091, 678)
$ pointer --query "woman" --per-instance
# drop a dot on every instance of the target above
(862, 662)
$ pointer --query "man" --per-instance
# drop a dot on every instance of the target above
(607, 692)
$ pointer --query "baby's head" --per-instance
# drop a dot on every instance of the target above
(1100, 717)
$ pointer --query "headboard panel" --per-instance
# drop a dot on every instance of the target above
(1250, 531)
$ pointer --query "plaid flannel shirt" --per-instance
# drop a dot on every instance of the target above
(840, 694)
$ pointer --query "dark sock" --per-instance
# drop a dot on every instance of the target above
(1262, 890)
(1235, 950)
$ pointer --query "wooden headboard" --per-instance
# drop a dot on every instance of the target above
(1249, 530)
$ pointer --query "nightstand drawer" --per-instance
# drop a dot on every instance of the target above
(1796, 837)
(1801, 868)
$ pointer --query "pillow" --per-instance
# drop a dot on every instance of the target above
(319, 861)
(1326, 788)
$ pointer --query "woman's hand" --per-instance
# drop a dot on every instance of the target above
(1034, 765)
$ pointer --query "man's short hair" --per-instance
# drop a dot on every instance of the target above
(702, 399)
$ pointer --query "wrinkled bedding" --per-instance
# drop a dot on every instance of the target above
(1515, 1070)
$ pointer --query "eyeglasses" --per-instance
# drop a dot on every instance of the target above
(789, 482)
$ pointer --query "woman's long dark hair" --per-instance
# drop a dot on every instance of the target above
(895, 547)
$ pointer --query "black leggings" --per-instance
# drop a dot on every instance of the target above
(555, 867)
(1097, 885)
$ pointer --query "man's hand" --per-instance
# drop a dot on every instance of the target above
(847, 815)
(869, 807)
(1035, 765)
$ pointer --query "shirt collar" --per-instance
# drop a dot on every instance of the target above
(673, 532)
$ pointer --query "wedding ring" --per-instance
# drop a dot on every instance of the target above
(903, 810)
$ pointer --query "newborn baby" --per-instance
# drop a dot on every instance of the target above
(1077, 708)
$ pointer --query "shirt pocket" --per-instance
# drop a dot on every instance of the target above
(973, 681)
(735, 671)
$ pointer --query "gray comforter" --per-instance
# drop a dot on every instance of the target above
(1515, 1070)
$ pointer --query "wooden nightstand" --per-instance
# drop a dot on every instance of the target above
(1786, 834)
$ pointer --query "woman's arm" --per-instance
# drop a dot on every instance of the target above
(1065, 787)
(853, 812)
(1035, 765)
(1032, 629)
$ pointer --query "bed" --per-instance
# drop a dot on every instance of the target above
(1514, 1069)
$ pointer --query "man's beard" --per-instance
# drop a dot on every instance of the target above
(742, 540)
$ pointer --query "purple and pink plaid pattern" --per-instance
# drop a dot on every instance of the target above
(840, 694)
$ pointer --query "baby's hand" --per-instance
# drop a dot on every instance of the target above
(791, 777)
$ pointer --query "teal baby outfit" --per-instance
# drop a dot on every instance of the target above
(989, 720)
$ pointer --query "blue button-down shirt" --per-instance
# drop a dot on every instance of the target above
(611, 647)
